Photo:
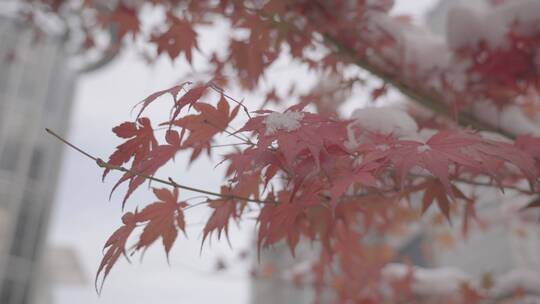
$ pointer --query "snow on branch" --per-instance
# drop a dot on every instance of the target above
(487, 67)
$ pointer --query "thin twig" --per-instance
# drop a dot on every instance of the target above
(229, 145)
(246, 140)
(490, 185)
(197, 204)
(103, 164)
(482, 184)
(71, 145)
(240, 103)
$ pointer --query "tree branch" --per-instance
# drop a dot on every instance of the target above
(170, 182)
(415, 94)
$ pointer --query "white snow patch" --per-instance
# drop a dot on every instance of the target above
(470, 22)
(422, 136)
(436, 281)
(448, 280)
(288, 121)
(417, 48)
(425, 52)
(385, 120)
(511, 118)
(494, 136)
(521, 278)
(457, 75)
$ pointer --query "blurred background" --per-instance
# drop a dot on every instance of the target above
(55, 212)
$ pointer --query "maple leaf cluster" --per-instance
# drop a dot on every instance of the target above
(343, 183)
(312, 176)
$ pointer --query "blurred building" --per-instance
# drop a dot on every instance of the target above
(36, 87)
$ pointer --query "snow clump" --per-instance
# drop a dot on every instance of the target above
(288, 121)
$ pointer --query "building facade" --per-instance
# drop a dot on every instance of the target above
(36, 87)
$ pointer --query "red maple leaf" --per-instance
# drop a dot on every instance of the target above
(125, 19)
(116, 245)
(508, 66)
(249, 60)
(140, 142)
(285, 220)
(152, 97)
(531, 146)
(224, 209)
(209, 122)
(363, 174)
(163, 219)
(156, 159)
(180, 37)
(315, 133)
(435, 191)
(189, 98)
(436, 155)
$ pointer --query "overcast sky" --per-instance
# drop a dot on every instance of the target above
(84, 217)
